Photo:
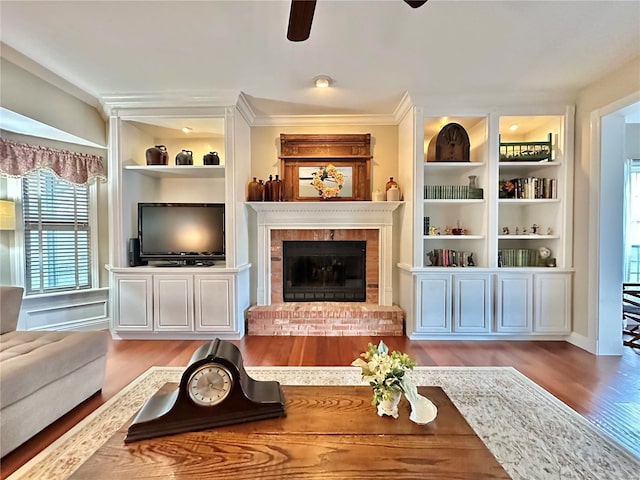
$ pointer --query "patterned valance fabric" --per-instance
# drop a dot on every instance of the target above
(20, 159)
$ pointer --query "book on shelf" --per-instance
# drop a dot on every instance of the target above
(529, 188)
(517, 257)
(452, 192)
(444, 257)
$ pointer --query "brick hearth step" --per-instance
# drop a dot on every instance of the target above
(325, 319)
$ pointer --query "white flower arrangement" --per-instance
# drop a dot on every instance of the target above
(387, 374)
(384, 371)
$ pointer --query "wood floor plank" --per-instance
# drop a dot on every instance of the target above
(604, 389)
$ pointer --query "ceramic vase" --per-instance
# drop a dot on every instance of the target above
(211, 158)
(157, 155)
(185, 157)
(390, 407)
(423, 410)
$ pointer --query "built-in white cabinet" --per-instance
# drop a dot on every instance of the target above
(155, 301)
(514, 303)
(434, 304)
(472, 303)
(173, 302)
(506, 303)
(493, 226)
(451, 303)
(214, 300)
(132, 302)
(552, 303)
(162, 302)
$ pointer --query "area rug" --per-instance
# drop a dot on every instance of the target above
(531, 433)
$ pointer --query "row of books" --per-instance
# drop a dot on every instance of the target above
(529, 188)
(518, 257)
(452, 192)
(443, 257)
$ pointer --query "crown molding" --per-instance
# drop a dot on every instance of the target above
(244, 108)
(404, 107)
(321, 120)
(112, 103)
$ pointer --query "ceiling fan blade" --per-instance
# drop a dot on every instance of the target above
(300, 19)
(415, 3)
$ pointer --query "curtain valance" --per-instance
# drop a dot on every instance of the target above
(20, 159)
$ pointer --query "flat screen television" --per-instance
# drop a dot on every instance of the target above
(187, 233)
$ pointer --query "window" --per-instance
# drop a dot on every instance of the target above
(632, 222)
(57, 234)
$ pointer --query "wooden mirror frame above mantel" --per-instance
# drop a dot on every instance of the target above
(319, 150)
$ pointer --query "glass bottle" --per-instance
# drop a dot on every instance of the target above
(390, 183)
(253, 194)
(260, 191)
(276, 189)
(268, 189)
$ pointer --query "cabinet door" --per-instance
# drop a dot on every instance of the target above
(214, 296)
(514, 302)
(132, 308)
(434, 304)
(472, 300)
(552, 294)
(173, 302)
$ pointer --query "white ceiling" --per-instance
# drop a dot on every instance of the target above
(375, 51)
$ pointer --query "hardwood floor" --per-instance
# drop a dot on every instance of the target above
(604, 389)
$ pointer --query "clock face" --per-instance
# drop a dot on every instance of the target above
(210, 384)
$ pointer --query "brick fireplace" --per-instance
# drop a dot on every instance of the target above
(370, 236)
(372, 222)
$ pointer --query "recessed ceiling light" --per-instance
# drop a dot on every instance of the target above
(187, 129)
(513, 127)
(322, 81)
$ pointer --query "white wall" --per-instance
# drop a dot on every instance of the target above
(28, 95)
(617, 85)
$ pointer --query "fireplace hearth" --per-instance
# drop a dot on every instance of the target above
(324, 271)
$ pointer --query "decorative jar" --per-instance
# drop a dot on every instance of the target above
(185, 157)
(157, 155)
(211, 158)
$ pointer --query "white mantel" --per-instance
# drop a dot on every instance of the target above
(325, 215)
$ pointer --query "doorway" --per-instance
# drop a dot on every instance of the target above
(608, 152)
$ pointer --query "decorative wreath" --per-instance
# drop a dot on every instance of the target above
(328, 174)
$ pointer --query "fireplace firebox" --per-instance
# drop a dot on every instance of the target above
(324, 271)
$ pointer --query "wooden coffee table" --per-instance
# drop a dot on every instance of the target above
(329, 433)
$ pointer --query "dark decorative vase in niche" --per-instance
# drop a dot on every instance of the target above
(157, 155)
(211, 158)
(185, 157)
(255, 190)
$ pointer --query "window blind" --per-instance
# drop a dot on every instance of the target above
(56, 234)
